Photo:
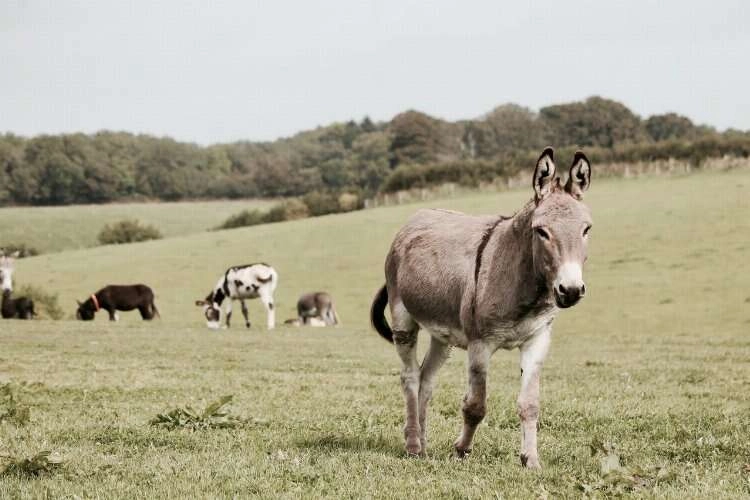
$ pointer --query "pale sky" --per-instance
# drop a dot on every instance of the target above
(216, 71)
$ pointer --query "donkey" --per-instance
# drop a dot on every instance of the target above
(113, 298)
(239, 283)
(317, 305)
(22, 307)
(482, 284)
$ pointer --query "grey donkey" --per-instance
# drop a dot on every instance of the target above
(485, 283)
(317, 305)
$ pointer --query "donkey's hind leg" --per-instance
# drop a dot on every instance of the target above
(434, 359)
(405, 331)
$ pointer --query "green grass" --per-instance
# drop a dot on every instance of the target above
(52, 229)
(654, 360)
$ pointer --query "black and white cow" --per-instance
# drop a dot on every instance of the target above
(239, 283)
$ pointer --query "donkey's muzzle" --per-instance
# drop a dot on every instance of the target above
(567, 296)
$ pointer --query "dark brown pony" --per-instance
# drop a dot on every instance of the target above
(113, 298)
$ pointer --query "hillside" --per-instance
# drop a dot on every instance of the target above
(52, 229)
(648, 223)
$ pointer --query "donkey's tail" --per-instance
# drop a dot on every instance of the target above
(377, 314)
(156, 311)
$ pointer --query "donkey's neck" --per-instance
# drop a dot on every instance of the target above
(511, 286)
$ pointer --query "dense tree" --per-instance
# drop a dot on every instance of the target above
(506, 128)
(371, 160)
(670, 126)
(416, 138)
(593, 122)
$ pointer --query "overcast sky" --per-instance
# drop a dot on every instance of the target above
(222, 71)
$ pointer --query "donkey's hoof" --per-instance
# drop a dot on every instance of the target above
(247, 325)
(413, 447)
(530, 462)
(461, 452)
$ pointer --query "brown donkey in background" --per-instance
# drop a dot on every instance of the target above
(485, 283)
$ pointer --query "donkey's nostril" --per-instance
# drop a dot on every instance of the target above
(562, 289)
(583, 289)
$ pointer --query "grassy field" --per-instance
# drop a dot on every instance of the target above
(52, 229)
(653, 362)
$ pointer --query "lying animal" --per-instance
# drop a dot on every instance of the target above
(317, 305)
(114, 298)
(20, 308)
(314, 321)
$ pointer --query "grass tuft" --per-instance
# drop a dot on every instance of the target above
(41, 463)
(617, 479)
(214, 416)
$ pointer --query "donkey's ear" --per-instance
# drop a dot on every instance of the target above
(544, 174)
(579, 178)
(79, 303)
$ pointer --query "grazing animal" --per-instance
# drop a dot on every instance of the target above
(22, 307)
(317, 305)
(239, 283)
(114, 298)
(482, 284)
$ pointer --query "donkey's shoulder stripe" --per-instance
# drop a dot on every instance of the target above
(483, 243)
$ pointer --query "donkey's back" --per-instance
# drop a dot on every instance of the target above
(436, 251)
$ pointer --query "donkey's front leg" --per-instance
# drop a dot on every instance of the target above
(475, 401)
(533, 353)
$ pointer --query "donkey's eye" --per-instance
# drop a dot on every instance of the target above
(542, 233)
(586, 231)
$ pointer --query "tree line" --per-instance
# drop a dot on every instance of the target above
(359, 158)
